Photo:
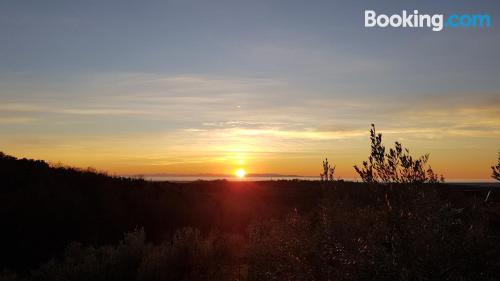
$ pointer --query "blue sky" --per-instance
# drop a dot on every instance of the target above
(268, 81)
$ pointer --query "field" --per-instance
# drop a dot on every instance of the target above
(66, 224)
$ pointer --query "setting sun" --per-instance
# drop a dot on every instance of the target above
(240, 173)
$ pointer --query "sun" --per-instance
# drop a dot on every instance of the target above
(240, 173)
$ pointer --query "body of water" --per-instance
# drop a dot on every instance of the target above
(268, 178)
(229, 178)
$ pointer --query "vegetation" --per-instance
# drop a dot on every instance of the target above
(396, 166)
(411, 235)
(186, 256)
(495, 173)
(61, 223)
(328, 171)
(43, 209)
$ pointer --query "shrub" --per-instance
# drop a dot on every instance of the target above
(118, 262)
(8, 275)
(187, 256)
(396, 166)
(411, 234)
(328, 171)
(495, 173)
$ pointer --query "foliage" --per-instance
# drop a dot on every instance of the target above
(328, 171)
(409, 235)
(186, 256)
(396, 166)
(495, 173)
(44, 208)
(296, 230)
(189, 256)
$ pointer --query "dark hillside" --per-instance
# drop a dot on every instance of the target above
(44, 208)
(220, 230)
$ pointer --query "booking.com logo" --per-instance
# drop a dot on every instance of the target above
(436, 22)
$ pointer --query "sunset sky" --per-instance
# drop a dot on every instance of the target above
(189, 87)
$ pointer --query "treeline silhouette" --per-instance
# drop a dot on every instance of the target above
(61, 223)
(44, 208)
(401, 223)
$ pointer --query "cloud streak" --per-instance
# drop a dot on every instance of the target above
(213, 121)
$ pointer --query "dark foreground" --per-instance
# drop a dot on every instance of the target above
(66, 224)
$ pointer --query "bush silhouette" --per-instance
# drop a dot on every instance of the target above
(410, 234)
(328, 171)
(186, 256)
(396, 166)
(495, 170)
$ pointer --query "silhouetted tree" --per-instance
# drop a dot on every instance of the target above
(328, 171)
(397, 166)
(495, 173)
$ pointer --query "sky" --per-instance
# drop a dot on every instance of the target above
(196, 87)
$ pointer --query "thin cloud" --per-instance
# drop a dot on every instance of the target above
(16, 120)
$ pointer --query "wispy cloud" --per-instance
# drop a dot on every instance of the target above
(16, 120)
(21, 107)
(177, 121)
(99, 111)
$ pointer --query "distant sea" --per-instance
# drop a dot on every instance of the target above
(310, 178)
(228, 178)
